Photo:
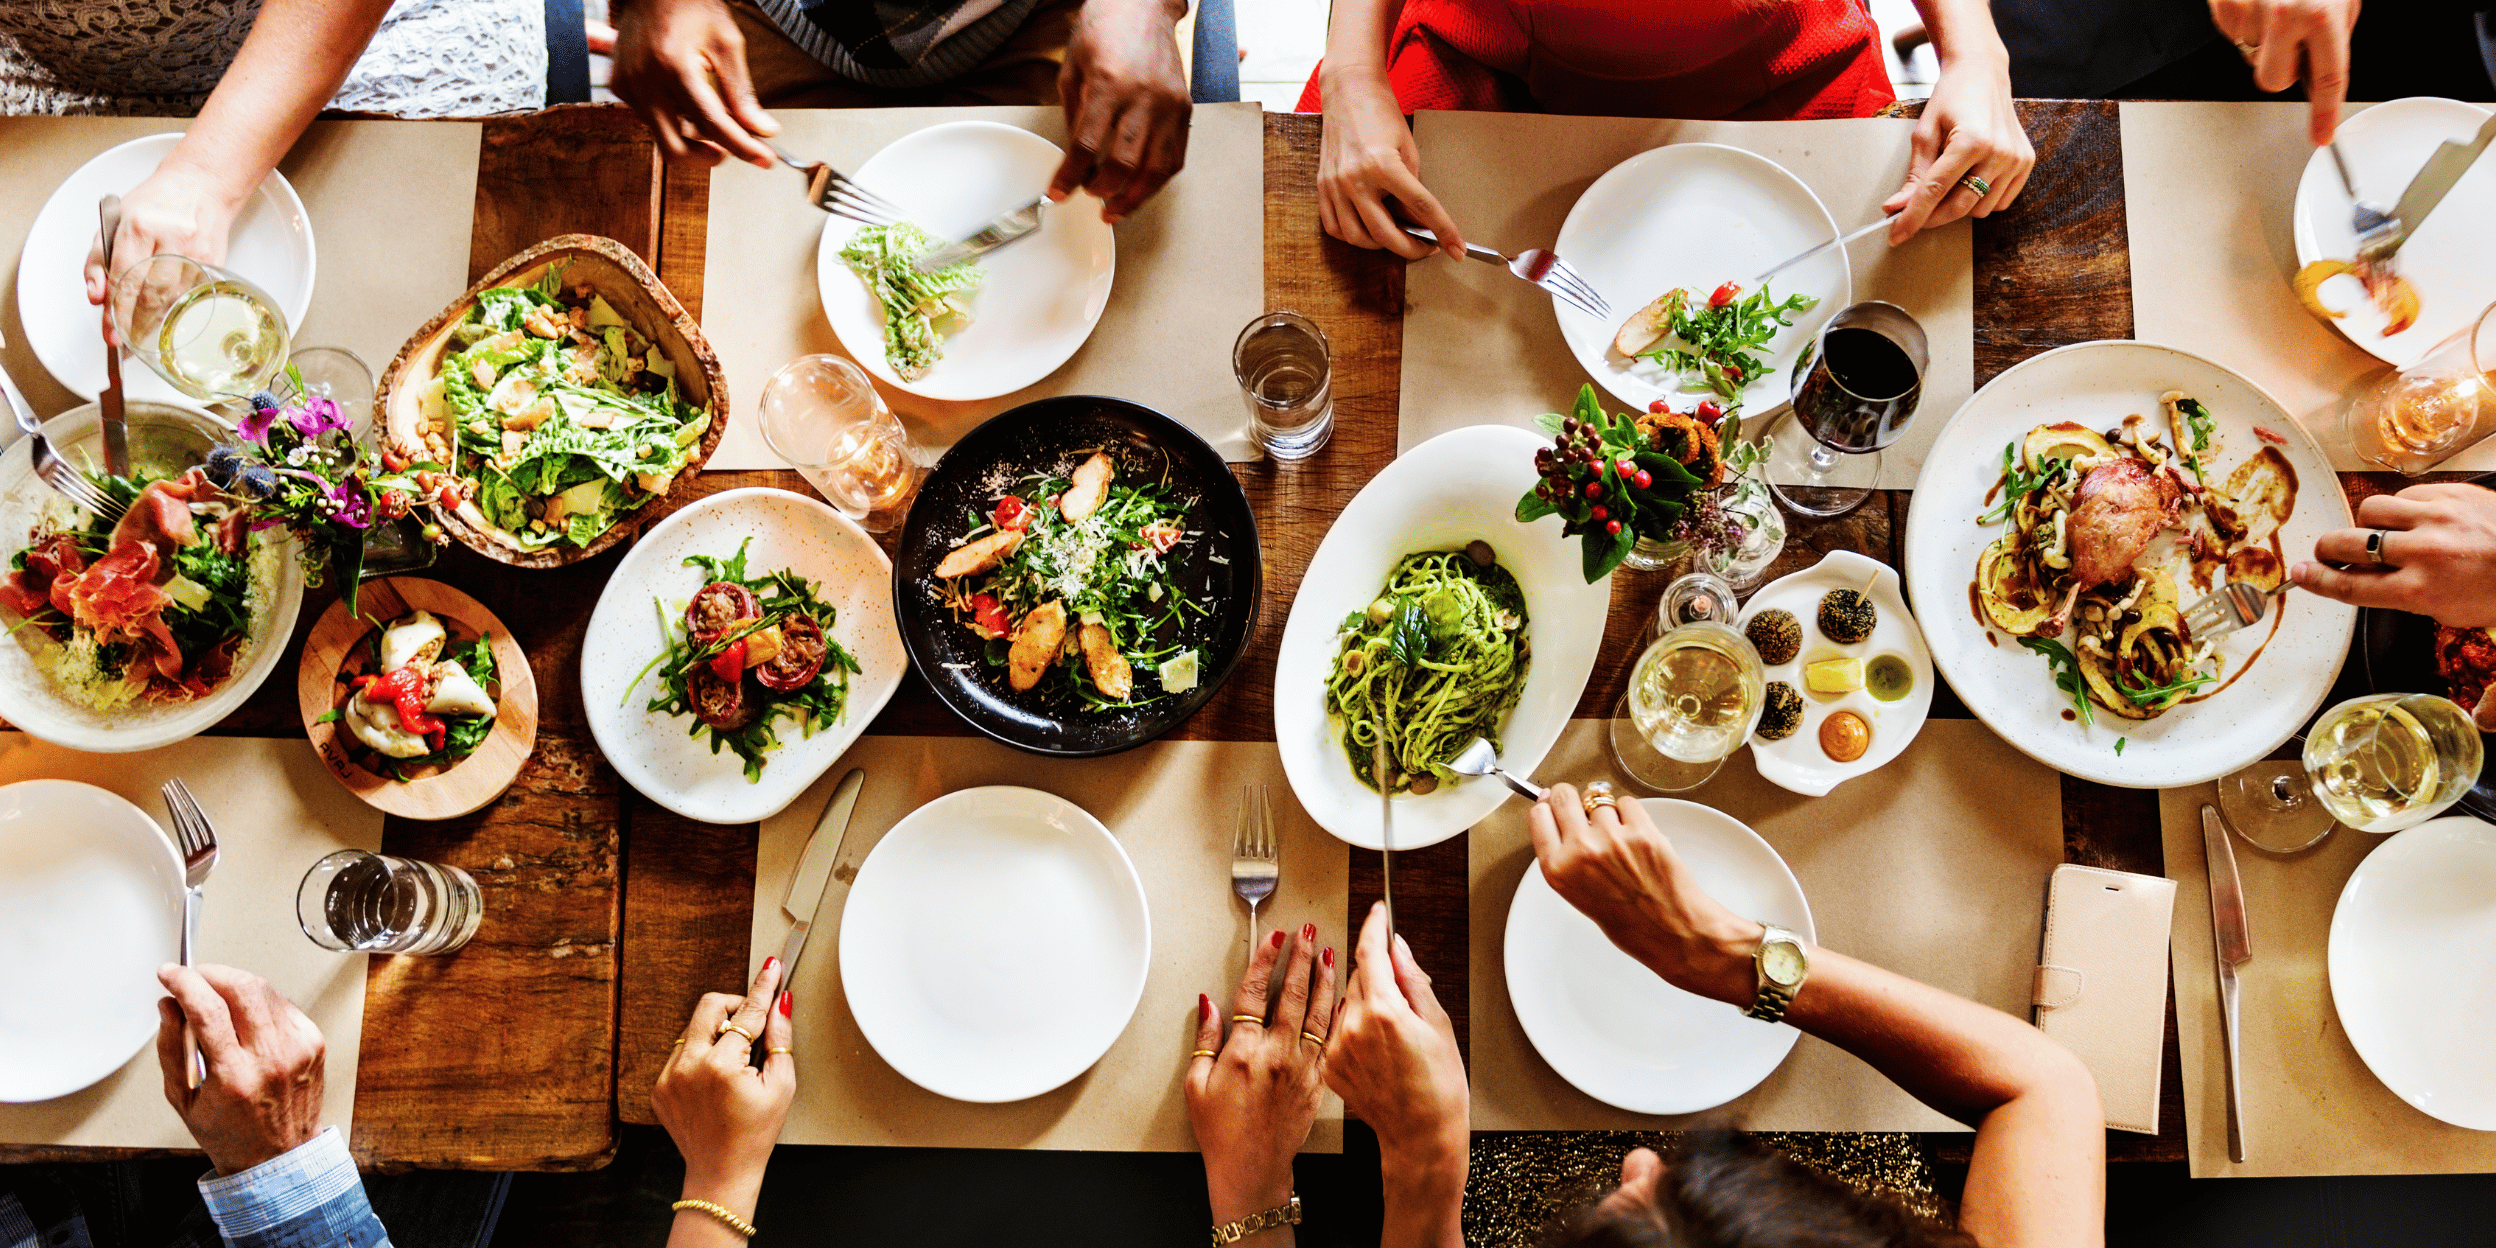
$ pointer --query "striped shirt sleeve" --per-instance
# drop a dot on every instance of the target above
(309, 1197)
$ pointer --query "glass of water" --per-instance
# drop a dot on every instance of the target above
(820, 413)
(1285, 370)
(359, 902)
(210, 333)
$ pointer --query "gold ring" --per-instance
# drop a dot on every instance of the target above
(1977, 184)
(2249, 51)
(1319, 1041)
(1247, 1018)
(729, 1025)
(1200, 1053)
(680, 1043)
(776, 1049)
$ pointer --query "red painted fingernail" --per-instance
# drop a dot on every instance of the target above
(1277, 942)
(1204, 1007)
(770, 962)
(785, 1003)
(1330, 958)
(1308, 931)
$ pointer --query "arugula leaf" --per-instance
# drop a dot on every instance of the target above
(2066, 667)
(2017, 483)
(2197, 418)
(2143, 695)
(2119, 746)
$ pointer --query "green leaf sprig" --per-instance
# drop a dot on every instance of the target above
(2066, 667)
(1608, 480)
(1723, 341)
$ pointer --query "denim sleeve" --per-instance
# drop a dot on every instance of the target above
(310, 1197)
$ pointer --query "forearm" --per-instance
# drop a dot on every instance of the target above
(289, 66)
(1963, 30)
(1424, 1196)
(1356, 43)
(696, 1228)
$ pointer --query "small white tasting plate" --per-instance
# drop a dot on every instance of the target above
(2097, 384)
(84, 919)
(2451, 259)
(1614, 1029)
(652, 750)
(1797, 762)
(2417, 923)
(1043, 293)
(271, 248)
(995, 944)
(1458, 487)
(1695, 216)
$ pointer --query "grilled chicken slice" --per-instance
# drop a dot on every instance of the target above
(1091, 486)
(1110, 672)
(1036, 642)
(979, 556)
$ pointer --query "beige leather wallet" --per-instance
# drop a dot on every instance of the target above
(2101, 986)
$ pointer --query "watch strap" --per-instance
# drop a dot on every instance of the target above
(1285, 1214)
(1769, 1005)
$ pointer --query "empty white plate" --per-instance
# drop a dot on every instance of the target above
(1044, 292)
(1614, 1029)
(1695, 215)
(2413, 967)
(653, 750)
(2450, 259)
(995, 944)
(85, 920)
(271, 247)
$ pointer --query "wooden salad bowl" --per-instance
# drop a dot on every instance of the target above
(475, 780)
(611, 269)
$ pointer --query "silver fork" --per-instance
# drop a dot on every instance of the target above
(199, 857)
(2373, 224)
(53, 470)
(1538, 266)
(1255, 860)
(2232, 606)
(831, 190)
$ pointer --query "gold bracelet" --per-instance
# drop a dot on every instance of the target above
(1286, 1214)
(729, 1216)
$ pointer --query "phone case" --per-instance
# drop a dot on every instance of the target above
(2101, 986)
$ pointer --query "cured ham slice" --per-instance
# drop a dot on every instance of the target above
(30, 590)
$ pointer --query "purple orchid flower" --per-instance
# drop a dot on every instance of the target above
(354, 509)
(316, 417)
(255, 427)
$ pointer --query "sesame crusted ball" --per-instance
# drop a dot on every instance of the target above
(1847, 617)
(1784, 712)
(1778, 635)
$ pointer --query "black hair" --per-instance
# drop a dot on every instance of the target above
(1723, 1189)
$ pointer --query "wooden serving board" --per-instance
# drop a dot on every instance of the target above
(478, 779)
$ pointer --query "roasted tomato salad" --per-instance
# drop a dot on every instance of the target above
(745, 652)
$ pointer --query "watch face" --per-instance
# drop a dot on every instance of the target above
(1782, 963)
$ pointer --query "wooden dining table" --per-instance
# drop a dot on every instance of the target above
(608, 915)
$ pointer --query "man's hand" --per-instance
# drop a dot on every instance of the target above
(1618, 869)
(681, 65)
(1127, 103)
(262, 1096)
(2286, 40)
(2439, 555)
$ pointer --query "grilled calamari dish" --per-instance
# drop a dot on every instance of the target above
(2108, 534)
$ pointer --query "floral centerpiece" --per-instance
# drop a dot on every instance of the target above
(1615, 478)
(299, 465)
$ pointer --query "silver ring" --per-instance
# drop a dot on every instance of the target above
(2374, 549)
(2249, 51)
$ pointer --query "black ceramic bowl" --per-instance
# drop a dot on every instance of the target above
(1221, 568)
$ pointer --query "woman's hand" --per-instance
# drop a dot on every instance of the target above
(178, 210)
(1968, 127)
(2286, 40)
(1393, 1059)
(1368, 165)
(1127, 104)
(681, 65)
(724, 1114)
(2439, 555)
(1618, 869)
(1252, 1097)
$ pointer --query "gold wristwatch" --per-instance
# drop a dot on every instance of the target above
(1781, 968)
(1285, 1214)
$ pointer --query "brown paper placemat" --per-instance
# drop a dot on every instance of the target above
(1934, 866)
(391, 202)
(1173, 805)
(2310, 1104)
(1479, 345)
(1191, 272)
(277, 811)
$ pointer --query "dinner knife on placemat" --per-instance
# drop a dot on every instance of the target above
(2234, 948)
(814, 870)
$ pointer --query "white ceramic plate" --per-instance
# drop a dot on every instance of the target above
(2010, 688)
(85, 918)
(271, 247)
(2417, 923)
(652, 750)
(1614, 1029)
(2450, 259)
(1695, 215)
(1455, 488)
(995, 944)
(1797, 762)
(32, 700)
(1044, 293)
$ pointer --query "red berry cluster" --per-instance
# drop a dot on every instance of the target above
(1579, 465)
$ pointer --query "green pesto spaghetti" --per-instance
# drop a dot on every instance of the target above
(1435, 661)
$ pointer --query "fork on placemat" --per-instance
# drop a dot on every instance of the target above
(199, 857)
(1255, 859)
(831, 190)
(1540, 267)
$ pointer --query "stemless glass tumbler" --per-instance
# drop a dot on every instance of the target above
(1284, 368)
(822, 415)
(354, 901)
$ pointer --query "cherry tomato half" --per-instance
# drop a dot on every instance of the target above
(1012, 512)
(1709, 412)
(1725, 294)
(988, 616)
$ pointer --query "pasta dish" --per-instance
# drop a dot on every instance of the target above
(1437, 659)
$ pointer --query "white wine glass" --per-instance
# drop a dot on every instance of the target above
(207, 332)
(1693, 699)
(2390, 761)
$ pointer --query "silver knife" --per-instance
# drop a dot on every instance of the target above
(814, 870)
(995, 234)
(1839, 241)
(1379, 771)
(116, 433)
(2234, 948)
(2451, 160)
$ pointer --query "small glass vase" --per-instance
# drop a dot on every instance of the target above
(1654, 554)
(393, 547)
(1747, 501)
